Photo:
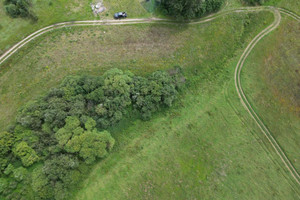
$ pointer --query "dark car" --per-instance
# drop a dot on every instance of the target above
(120, 15)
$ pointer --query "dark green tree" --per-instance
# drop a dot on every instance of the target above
(188, 9)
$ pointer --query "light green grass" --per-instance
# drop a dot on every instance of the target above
(206, 147)
(201, 150)
(272, 78)
(13, 30)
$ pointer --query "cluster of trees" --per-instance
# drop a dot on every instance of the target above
(19, 8)
(188, 9)
(55, 137)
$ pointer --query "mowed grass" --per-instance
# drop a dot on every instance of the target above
(12, 30)
(206, 147)
(271, 78)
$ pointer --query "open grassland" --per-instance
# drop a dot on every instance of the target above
(49, 12)
(272, 82)
(206, 147)
(201, 148)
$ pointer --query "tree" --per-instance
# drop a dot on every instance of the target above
(72, 127)
(149, 94)
(27, 155)
(40, 184)
(19, 173)
(188, 9)
(255, 2)
(3, 185)
(6, 142)
(9, 169)
(17, 8)
(91, 144)
(116, 88)
(58, 166)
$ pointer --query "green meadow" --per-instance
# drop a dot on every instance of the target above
(204, 147)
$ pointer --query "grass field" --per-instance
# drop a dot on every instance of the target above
(271, 79)
(206, 146)
(51, 11)
(143, 49)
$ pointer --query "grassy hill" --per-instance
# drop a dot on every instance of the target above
(206, 145)
(271, 81)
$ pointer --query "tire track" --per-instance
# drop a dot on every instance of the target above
(44, 30)
(247, 105)
(238, 69)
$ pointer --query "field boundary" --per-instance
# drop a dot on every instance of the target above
(277, 14)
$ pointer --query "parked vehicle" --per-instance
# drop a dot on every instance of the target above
(120, 15)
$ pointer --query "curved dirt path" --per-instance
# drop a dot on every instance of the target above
(245, 102)
(42, 31)
(238, 69)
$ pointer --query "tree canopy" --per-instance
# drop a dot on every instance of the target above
(188, 9)
(60, 133)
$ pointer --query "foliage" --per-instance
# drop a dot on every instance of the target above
(19, 173)
(149, 94)
(27, 155)
(18, 8)
(89, 143)
(9, 169)
(65, 128)
(188, 9)
(3, 184)
(40, 184)
(6, 142)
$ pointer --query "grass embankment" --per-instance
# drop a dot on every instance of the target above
(12, 30)
(206, 146)
(271, 80)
